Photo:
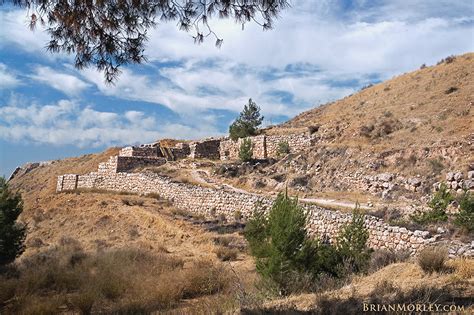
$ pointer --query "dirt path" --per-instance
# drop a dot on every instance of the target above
(203, 176)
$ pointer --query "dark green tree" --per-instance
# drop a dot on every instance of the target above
(280, 243)
(245, 150)
(247, 123)
(438, 204)
(287, 257)
(109, 34)
(12, 234)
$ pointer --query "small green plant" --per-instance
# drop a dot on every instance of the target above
(237, 215)
(436, 166)
(245, 151)
(12, 234)
(283, 148)
(465, 217)
(438, 205)
(352, 241)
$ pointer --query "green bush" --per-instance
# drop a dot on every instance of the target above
(352, 242)
(465, 217)
(245, 151)
(438, 205)
(12, 234)
(247, 123)
(283, 148)
(288, 259)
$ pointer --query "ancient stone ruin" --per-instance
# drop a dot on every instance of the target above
(115, 175)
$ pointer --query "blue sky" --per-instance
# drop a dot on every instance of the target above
(318, 51)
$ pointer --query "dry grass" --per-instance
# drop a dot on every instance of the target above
(226, 253)
(433, 259)
(411, 98)
(399, 283)
(102, 281)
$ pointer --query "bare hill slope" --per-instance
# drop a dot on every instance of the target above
(428, 106)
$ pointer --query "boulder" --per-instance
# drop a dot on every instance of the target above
(385, 177)
(458, 176)
(470, 175)
(450, 176)
(469, 184)
(414, 181)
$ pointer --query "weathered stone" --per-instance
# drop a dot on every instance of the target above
(414, 181)
(458, 176)
(385, 177)
(449, 176)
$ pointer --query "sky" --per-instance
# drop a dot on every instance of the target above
(318, 51)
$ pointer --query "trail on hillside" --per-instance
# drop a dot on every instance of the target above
(202, 176)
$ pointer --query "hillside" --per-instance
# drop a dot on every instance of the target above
(426, 107)
(388, 143)
(110, 249)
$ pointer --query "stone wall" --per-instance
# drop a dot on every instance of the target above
(264, 146)
(67, 182)
(147, 151)
(126, 163)
(296, 142)
(208, 149)
(322, 223)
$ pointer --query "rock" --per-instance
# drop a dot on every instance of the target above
(470, 175)
(469, 184)
(454, 185)
(414, 182)
(449, 176)
(385, 177)
(425, 234)
(440, 230)
(458, 176)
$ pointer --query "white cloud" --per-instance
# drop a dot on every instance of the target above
(333, 40)
(7, 79)
(68, 123)
(66, 83)
(15, 32)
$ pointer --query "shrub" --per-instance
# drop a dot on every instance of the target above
(133, 202)
(438, 205)
(12, 234)
(352, 241)
(226, 254)
(237, 215)
(383, 257)
(283, 148)
(366, 130)
(451, 90)
(465, 217)
(247, 123)
(313, 129)
(432, 259)
(436, 166)
(288, 259)
(245, 151)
